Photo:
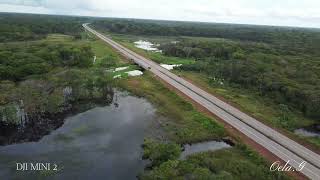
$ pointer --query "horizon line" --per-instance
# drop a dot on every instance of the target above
(208, 22)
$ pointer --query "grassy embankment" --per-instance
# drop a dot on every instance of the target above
(184, 124)
(249, 101)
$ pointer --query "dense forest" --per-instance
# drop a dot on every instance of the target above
(281, 63)
(289, 80)
(46, 71)
(17, 27)
(18, 61)
(289, 40)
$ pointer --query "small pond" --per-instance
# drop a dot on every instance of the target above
(310, 131)
(203, 147)
(146, 45)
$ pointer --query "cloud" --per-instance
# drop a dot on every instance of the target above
(284, 12)
(23, 2)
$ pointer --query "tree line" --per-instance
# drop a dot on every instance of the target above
(289, 80)
(18, 27)
(284, 39)
(279, 62)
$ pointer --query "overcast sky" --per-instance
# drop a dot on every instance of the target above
(302, 13)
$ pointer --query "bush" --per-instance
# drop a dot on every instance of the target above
(40, 58)
(160, 152)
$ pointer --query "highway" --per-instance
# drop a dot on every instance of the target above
(275, 142)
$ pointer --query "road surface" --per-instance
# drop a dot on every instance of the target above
(278, 144)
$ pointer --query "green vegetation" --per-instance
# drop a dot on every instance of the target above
(235, 163)
(55, 71)
(19, 60)
(106, 57)
(157, 57)
(263, 108)
(290, 80)
(272, 73)
(159, 153)
(38, 73)
(253, 62)
(44, 76)
(23, 27)
(289, 40)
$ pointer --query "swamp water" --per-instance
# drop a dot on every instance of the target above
(101, 143)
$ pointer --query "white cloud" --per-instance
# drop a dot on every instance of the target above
(22, 2)
(281, 12)
(25, 9)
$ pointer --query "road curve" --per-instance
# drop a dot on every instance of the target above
(278, 144)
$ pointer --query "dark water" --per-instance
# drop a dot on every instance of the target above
(202, 147)
(102, 143)
(310, 131)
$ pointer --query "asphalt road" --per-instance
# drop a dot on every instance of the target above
(278, 144)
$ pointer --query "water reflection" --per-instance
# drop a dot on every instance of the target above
(202, 147)
(102, 143)
(307, 132)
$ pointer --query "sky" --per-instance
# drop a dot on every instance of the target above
(299, 13)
